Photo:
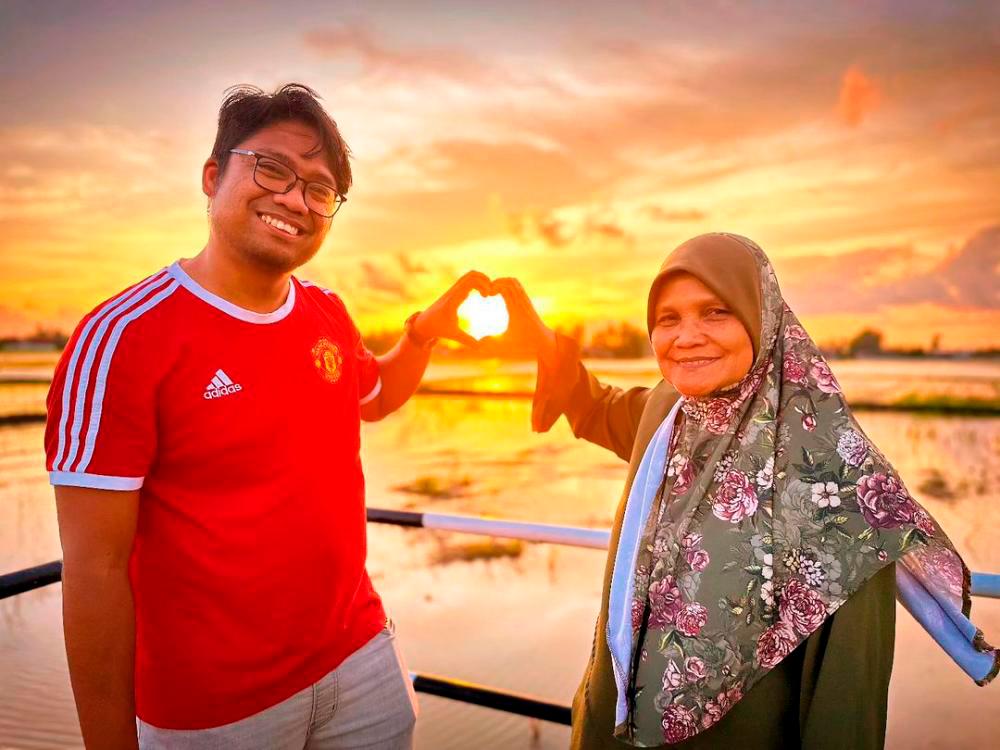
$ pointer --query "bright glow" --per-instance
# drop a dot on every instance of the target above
(483, 316)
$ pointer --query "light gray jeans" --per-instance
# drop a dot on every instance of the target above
(366, 703)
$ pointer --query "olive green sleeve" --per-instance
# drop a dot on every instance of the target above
(844, 691)
(598, 413)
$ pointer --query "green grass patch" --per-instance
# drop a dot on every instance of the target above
(948, 404)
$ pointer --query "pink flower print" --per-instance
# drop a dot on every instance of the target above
(678, 723)
(793, 370)
(691, 619)
(698, 559)
(884, 501)
(751, 383)
(692, 540)
(673, 677)
(774, 644)
(795, 333)
(695, 668)
(736, 499)
(767, 593)
(638, 609)
(714, 711)
(801, 607)
(923, 521)
(823, 376)
(680, 468)
(718, 414)
(808, 422)
(716, 708)
(664, 602)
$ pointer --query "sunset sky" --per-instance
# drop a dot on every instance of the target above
(571, 145)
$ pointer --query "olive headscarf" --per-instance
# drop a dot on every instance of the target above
(774, 510)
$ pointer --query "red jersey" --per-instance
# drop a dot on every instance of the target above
(242, 432)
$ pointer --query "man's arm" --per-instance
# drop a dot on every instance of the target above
(402, 368)
(96, 528)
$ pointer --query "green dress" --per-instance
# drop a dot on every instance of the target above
(831, 692)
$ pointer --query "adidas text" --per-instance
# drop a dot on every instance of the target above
(224, 391)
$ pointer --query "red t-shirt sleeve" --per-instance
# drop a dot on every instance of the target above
(369, 380)
(101, 429)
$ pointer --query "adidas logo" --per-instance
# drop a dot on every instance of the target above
(221, 386)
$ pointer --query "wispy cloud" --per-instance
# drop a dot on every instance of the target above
(379, 59)
(872, 279)
(662, 213)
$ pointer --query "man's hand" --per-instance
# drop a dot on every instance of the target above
(440, 320)
(526, 329)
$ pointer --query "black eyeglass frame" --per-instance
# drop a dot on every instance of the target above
(341, 198)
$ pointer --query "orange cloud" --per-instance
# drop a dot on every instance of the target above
(860, 95)
(660, 213)
(556, 232)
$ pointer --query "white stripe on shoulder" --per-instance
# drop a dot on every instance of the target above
(317, 286)
(102, 372)
(94, 481)
(106, 309)
(90, 354)
(373, 394)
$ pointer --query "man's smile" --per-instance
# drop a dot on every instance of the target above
(280, 225)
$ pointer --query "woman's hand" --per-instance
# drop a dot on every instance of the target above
(525, 327)
(440, 320)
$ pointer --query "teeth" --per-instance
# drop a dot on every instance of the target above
(279, 224)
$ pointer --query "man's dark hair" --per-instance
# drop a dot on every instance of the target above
(248, 109)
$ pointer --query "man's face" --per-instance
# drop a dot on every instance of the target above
(241, 209)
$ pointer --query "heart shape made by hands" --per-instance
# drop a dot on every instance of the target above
(483, 316)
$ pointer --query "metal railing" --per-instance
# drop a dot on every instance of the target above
(11, 584)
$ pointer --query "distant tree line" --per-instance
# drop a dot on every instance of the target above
(43, 339)
(620, 340)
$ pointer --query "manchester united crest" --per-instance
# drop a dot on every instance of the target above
(328, 360)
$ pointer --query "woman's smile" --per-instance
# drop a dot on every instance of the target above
(694, 363)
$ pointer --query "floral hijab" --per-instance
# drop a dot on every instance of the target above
(774, 510)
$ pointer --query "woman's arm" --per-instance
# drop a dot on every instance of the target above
(599, 413)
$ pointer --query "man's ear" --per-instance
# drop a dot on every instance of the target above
(210, 177)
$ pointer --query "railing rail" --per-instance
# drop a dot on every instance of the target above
(18, 582)
(983, 584)
(501, 700)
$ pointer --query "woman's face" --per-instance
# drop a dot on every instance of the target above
(700, 345)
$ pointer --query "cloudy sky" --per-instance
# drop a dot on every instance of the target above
(569, 144)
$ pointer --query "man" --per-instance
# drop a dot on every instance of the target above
(203, 441)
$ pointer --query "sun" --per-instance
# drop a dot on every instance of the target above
(483, 316)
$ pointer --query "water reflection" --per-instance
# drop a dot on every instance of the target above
(520, 621)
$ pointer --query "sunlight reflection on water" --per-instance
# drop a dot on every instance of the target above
(523, 622)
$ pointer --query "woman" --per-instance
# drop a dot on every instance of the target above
(749, 590)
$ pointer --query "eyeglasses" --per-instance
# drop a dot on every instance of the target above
(272, 175)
